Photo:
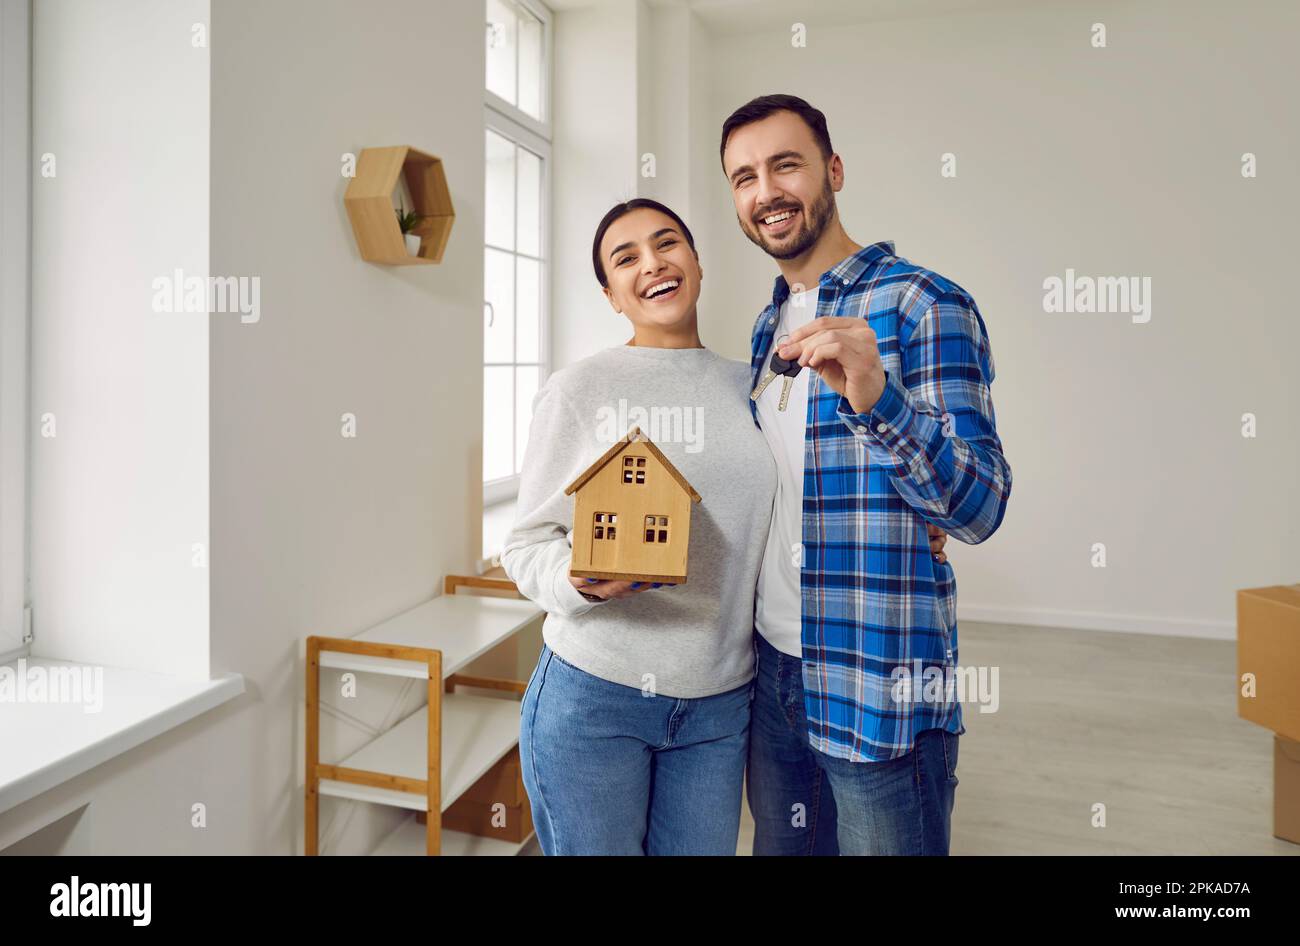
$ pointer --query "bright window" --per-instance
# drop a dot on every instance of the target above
(516, 61)
(517, 152)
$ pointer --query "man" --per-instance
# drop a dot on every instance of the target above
(889, 433)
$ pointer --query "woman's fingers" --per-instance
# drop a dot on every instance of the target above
(625, 589)
(609, 589)
(591, 586)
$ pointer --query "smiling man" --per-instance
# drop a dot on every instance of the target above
(888, 435)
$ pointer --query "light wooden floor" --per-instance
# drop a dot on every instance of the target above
(1145, 725)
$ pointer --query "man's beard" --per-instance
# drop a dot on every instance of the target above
(810, 231)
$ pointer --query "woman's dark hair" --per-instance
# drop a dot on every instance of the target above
(756, 110)
(626, 207)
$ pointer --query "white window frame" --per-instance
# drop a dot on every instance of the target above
(540, 127)
(15, 323)
(527, 132)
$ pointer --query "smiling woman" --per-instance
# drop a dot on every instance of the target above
(626, 662)
(645, 260)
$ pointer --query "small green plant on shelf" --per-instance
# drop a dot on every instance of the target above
(407, 221)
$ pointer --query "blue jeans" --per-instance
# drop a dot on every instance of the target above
(610, 770)
(807, 802)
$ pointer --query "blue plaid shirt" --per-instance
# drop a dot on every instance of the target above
(879, 614)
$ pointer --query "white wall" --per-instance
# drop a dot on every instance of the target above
(679, 130)
(628, 82)
(119, 492)
(596, 164)
(1115, 161)
(15, 309)
(311, 533)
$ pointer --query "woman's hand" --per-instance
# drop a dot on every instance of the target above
(938, 538)
(608, 590)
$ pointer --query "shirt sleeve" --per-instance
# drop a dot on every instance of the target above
(934, 430)
(538, 549)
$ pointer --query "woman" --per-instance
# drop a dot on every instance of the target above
(634, 727)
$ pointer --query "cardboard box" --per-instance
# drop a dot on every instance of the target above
(1268, 646)
(474, 812)
(502, 783)
(1286, 789)
(489, 819)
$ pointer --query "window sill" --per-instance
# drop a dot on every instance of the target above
(497, 520)
(47, 744)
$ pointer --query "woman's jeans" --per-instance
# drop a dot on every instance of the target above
(807, 802)
(610, 769)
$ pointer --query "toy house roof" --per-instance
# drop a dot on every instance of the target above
(632, 436)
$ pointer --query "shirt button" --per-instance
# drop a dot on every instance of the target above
(772, 321)
(881, 428)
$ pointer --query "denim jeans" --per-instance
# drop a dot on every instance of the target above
(806, 802)
(611, 770)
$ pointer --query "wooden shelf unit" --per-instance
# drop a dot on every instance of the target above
(369, 203)
(433, 756)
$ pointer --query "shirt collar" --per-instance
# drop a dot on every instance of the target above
(846, 272)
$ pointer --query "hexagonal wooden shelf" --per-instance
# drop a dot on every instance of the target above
(369, 202)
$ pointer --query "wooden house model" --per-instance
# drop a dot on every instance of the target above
(631, 515)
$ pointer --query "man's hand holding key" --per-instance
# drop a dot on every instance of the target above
(843, 352)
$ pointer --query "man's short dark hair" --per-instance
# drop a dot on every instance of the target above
(757, 109)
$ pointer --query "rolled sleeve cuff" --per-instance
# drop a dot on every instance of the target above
(884, 429)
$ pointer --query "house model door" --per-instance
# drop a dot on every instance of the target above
(605, 528)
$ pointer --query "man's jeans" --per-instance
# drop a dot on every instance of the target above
(806, 802)
(610, 770)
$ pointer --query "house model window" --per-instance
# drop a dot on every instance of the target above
(656, 528)
(605, 525)
(634, 470)
(602, 499)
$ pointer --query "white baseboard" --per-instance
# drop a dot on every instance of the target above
(1101, 621)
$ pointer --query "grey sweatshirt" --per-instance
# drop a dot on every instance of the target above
(692, 639)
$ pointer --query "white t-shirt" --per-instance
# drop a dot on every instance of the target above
(778, 611)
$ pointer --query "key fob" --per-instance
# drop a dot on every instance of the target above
(779, 365)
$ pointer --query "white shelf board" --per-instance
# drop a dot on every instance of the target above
(408, 840)
(476, 732)
(463, 627)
